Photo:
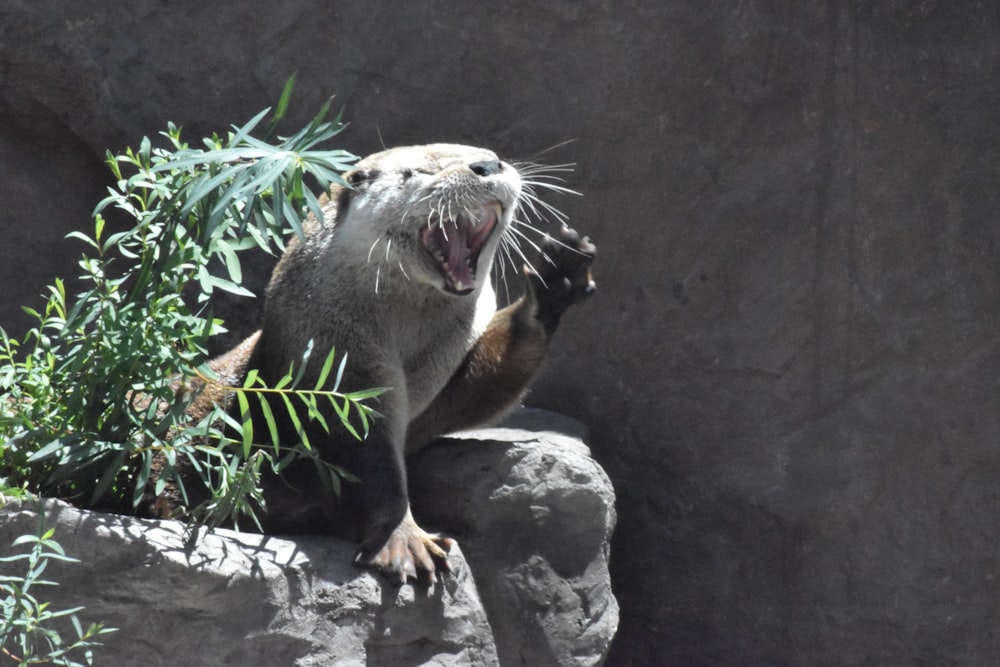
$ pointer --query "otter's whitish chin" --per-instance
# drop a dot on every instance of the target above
(455, 245)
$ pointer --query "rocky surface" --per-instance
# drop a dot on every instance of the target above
(790, 367)
(239, 599)
(534, 514)
(531, 508)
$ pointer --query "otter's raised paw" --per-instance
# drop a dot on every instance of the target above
(563, 277)
(408, 553)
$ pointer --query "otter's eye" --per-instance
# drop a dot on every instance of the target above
(405, 174)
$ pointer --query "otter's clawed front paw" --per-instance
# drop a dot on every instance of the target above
(408, 553)
(563, 276)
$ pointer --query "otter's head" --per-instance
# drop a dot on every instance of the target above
(436, 212)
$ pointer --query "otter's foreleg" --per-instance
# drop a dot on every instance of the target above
(496, 372)
(493, 376)
(391, 541)
(491, 379)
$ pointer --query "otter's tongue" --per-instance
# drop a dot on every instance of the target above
(460, 273)
(456, 246)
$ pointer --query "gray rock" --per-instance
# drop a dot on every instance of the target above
(534, 514)
(531, 507)
(242, 599)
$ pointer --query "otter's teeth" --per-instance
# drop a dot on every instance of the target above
(455, 246)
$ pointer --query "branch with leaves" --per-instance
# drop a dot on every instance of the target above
(88, 398)
(27, 632)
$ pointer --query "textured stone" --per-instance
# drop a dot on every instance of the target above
(527, 500)
(534, 514)
(791, 365)
(239, 599)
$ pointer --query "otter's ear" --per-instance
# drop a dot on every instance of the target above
(357, 177)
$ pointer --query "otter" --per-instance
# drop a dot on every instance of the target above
(397, 276)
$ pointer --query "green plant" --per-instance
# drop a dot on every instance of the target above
(89, 400)
(27, 633)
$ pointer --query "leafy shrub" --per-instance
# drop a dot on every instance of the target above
(88, 399)
(27, 632)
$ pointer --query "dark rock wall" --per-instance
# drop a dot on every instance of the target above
(791, 367)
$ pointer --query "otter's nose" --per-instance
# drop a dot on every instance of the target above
(486, 168)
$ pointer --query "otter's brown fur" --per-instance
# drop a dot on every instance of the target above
(422, 321)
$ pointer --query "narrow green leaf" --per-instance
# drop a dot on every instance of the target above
(247, 431)
(86, 239)
(25, 539)
(142, 477)
(334, 482)
(272, 425)
(325, 371)
(325, 172)
(110, 473)
(228, 286)
(364, 394)
(345, 419)
(292, 217)
(305, 362)
(313, 411)
(286, 96)
(286, 379)
(296, 422)
(243, 132)
(312, 207)
(76, 626)
(50, 449)
(340, 373)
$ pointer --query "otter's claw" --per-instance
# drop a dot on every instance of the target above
(408, 553)
(563, 278)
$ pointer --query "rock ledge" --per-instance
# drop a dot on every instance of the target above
(531, 509)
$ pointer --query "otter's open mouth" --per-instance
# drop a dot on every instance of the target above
(455, 245)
